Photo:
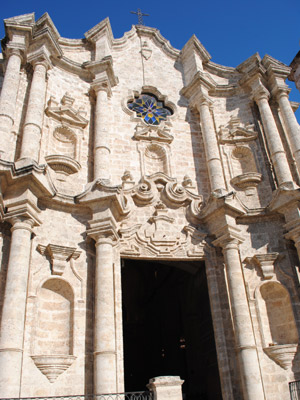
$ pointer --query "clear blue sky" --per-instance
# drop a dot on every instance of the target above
(230, 30)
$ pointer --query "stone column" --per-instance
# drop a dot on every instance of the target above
(244, 336)
(277, 153)
(290, 121)
(35, 111)
(101, 140)
(8, 102)
(212, 153)
(14, 306)
(105, 373)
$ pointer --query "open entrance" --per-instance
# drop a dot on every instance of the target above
(167, 326)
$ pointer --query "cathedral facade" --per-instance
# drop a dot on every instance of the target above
(150, 225)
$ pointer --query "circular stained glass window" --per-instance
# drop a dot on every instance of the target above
(149, 109)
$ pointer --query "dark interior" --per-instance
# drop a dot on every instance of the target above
(167, 326)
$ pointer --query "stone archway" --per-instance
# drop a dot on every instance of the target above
(167, 326)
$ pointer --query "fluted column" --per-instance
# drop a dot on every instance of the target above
(290, 121)
(212, 153)
(14, 306)
(8, 103)
(101, 140)
(277, 153)
(244, 336)
(35, 111)
(105, 370)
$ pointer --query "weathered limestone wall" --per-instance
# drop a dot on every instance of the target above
(218, 181)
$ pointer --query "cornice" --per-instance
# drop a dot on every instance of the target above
(19, 173)
(163, 43)
(200, 79)
(220, 70)
(194, 43)
(99, 30)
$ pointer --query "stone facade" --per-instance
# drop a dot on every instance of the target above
(86, 183)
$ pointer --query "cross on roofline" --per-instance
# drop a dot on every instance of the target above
(140, 15)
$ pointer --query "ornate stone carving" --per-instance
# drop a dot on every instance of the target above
(65, 113)
(59, 255)
(157, 133)
(235, 132)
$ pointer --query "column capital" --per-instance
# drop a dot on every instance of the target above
(22, 222)
(101, 84)
(228, 237)
(260, 93)
(281, 91)
(40, 57)
(15, 50)
(103, 231)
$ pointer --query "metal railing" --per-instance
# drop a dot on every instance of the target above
(114, 396)
(295, 390)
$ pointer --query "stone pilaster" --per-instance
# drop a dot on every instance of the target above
(277, 152)
(8, 102)
(212, 153)
(105, 370)
(14, 306)
(36, 104)
(229, 240)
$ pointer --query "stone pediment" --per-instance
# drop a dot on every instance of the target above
(235, 132)
(65, 113)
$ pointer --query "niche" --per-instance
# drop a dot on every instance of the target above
(277, 322)
(155, 159)
(53, 341)
(244, 171)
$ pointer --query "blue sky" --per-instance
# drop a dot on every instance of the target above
(230, 30)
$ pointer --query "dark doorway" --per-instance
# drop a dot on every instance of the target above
(167, 326)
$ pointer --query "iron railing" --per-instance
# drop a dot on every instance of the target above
(114, 396)
(295, 390)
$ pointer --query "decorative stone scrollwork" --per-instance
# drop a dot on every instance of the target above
(144, 193)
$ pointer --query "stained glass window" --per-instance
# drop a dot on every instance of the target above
(150, 109)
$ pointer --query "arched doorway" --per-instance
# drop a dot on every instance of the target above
(167, 326)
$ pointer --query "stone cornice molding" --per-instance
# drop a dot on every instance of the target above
(104, 76)
(194, 44)
(45, 21)
(162, 42)
(201, 80)
(23, 186)
(40, 56)
(100, 30)
(25, 212)
(100, 196)
(283, 200)
(44, 35)
(19, 31)
(220, 70)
